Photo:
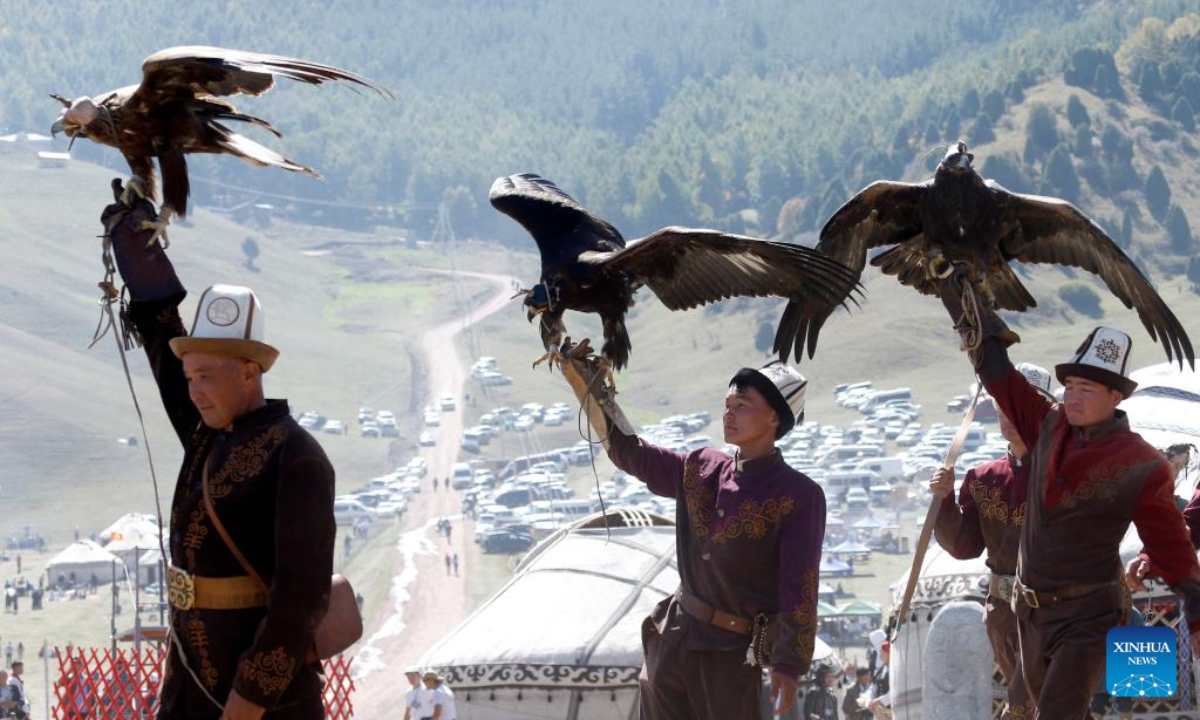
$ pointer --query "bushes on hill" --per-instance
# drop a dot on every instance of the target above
(1041, 128)
(1081, 298)
(981, 131)
(1179, 230)
(1005, 170)
(1077, 114)
(1184, 114)
(994, 105)
(1193, 273)
(1059, 177)
(1093, 69)
(1158, 193)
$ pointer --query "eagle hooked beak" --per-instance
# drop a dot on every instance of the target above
(537, 301)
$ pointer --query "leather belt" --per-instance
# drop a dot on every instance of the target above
(1002, 587)
(706, 613)
(189, 592)
(1042, 598)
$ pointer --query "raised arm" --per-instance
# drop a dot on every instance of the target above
(154, 293)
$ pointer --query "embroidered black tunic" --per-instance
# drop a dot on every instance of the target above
(272, 488)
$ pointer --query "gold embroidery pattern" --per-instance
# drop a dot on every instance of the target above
(698, 498)
(1024, 711)
(991, 505)
(1018, 514)
(1100, 484)
(803, 615)
(754, 519)
(272, 671)
(196, 532)
(198, 639)
(246, 461)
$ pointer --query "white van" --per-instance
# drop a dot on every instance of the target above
(857, 500)
(889, 469)
(460, 479)
(885, 396)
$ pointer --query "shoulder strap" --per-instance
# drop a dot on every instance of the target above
(212, 515)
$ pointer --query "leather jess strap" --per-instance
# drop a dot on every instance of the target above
(706, 613)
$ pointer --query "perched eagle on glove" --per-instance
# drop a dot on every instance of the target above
(588, 267)
(959, 220)
(177, 110)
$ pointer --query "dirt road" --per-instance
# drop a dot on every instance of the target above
(427, 601)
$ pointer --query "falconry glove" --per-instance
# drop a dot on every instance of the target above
(974, 319)
(144, 266)
(589, 379)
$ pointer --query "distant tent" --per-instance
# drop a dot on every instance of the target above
(851, 547)
(83, 559)
(825, 609)
(131, 537)
(825, 590)
(832, 521)
(862, 608)
(870, 522)
(833, 566)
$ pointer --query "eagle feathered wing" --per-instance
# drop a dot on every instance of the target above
(883, 213)
(1055, 231)
(182, 73)
(549, 214)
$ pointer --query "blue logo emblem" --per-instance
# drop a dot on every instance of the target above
(1141, 662)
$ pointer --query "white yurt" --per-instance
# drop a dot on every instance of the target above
(134, 538)
(83, 559)
(1165, 410)
(562, 639)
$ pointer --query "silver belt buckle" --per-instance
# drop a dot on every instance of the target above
(181, 588)
(1002, 586)
(1030, 597)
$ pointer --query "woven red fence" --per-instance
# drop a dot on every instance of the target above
(123, 684)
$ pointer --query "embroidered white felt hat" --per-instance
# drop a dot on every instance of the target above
(1104, 358)
(1038, 377)
(782, 386)
(229, 321)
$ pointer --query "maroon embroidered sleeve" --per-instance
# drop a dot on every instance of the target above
(799, 574)
(1160, 525)
(658, 467)
(957, 527)
(299, 592)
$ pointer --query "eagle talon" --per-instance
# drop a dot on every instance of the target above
(133, 186)
(160, 232)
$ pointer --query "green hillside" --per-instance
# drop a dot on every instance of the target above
(715, 112)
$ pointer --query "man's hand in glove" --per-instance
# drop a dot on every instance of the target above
(990, 324)
(586, 374)
(145, 268)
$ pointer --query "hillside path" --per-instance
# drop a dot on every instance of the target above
(426, 601)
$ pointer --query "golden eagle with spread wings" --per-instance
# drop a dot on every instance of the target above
(588, 267)
(957, 221)
(177, 110)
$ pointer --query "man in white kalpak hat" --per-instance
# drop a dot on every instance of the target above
(748, 534)
(987, 519)
(1090, 477)
(252, 527)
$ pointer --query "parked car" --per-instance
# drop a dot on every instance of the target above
(334, 427)
(349, 512)
(523, 424)
(432, 418)
(427, 439)
(389, 430)
(506, 541)
(446, 401)
(364, 414)
(369, 429)
(492, 378)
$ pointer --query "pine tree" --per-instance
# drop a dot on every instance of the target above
(1060, 177)
(1030, 154)
(1126, 238)
(1158, 193)
(981, 131)
(953, 124)
(970, 103)
(1041, 128)
(1105, 82)
(1183, 114)
(1150, 82)
(1193, 273)
(1179, 230)
(931, 134)
(993, 104)
(1081, 147)
(1077, 114)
